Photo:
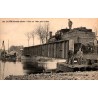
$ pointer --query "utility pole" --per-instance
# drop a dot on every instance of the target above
(3, 49)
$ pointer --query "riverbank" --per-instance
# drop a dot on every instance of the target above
(91, 75)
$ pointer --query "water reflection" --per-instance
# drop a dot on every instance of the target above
(10, 68)
(2, 69)
(32, 67)
(23, 68)
(48, 66)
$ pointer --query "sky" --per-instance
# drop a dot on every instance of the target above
(14, 29)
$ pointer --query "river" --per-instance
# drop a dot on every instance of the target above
(19, 68)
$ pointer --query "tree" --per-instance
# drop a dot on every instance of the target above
(15, 48)
(32, 35)
(28, 35)
(47, 31)
(42, 32)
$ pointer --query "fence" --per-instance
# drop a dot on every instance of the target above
(58, 49)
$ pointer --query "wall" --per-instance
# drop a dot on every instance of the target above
(57, 49)
(79, 36)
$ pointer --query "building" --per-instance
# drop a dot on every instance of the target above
(57, 49)
(59, 44)
(83, 38)
(79, 35)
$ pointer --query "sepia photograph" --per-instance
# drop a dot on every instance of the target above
(48, 48)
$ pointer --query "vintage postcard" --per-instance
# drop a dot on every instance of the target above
(49, 48)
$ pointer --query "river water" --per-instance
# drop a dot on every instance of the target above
(19, 68)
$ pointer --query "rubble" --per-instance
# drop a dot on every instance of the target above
(91, 75)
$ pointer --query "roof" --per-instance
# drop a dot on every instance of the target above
(64, 30)
(83, 29)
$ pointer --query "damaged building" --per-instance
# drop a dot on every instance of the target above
(79, 35)
(82, 37)
(58, 45)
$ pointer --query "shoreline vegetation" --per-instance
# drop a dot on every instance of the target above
(88, 75)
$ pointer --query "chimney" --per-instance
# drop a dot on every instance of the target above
(50, 34)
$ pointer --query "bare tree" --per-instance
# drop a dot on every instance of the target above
(46, 31)
(32, 35)
(28, 35)
(42, 32)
